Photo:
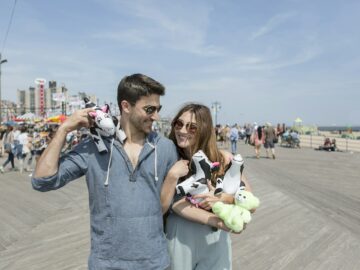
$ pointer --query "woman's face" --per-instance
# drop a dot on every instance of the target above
(185, 130)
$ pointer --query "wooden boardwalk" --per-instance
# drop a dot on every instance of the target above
(309, 217)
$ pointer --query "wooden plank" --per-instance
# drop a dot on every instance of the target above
(309, 216)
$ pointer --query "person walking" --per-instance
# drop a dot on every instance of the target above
(124, 183)
(248, 132)
(270, 138)
(8, 145)
(24, 150)
(259, 140)
(234, 137)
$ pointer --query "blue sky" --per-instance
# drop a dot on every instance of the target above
(262, 60)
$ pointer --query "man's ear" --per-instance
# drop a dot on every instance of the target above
(125, 106)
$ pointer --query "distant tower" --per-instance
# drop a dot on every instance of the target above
(52, 90)
(215, 106)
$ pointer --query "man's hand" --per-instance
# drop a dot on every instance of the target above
(77, 120)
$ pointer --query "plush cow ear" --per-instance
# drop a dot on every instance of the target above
(105, 108)
(92, 114)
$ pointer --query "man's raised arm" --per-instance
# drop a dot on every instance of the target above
(49, 160)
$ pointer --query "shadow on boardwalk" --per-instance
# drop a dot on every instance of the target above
(309, 217)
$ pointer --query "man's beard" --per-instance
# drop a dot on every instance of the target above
(138, 123)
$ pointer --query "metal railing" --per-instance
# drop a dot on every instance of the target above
(343, 144)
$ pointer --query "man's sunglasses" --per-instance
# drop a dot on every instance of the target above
(190, 127)
(151, 109)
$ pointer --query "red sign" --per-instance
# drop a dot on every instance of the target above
(42, 98)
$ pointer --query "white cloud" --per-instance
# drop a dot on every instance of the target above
(233, 64)
(271, 24)
(170, 26)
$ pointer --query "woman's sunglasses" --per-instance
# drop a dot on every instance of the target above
(190, 127)
(149, 110)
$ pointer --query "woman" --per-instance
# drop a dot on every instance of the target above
(25, 146)
(259, 140)
(191, 244)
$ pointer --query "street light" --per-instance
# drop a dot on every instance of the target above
(1, 62)
(216, 106)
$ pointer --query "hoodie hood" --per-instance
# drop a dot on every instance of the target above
(151, 139)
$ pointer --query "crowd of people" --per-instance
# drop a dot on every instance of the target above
(254, 135)
(23, 144)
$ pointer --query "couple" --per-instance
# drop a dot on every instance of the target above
(141, 170)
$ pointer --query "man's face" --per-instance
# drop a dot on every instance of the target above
(145, 112)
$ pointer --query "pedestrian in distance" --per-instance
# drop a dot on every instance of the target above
(234, 137)
(8, 146)
(248, 132)
(259, 140)
(270, 139)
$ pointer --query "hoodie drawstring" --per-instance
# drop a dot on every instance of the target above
(155, 163)
(109, 164)
(106, 183)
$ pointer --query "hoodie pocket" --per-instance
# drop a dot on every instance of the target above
(101, 237)
(137, 238)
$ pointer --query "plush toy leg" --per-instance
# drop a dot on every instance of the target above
(191, 186)
(232, 177)
(219, 186)
(98, 140)
(230, 214)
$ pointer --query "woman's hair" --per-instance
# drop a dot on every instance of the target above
(205, 138)
(259, 131)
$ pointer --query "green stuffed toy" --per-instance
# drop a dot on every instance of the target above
(236, 215)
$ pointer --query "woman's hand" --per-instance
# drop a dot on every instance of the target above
(179, 169)
(208, 199)
(216, 222)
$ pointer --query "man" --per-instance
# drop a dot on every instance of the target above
(8, 143)
(124, 184)
(234, 137)
(248, 132)
(270, 136)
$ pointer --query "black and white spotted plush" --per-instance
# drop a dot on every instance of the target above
(103, 124)
(229, 183)
(197, 183)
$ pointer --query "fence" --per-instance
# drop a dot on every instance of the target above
(342, 144)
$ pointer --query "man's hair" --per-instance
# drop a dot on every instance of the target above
(132, 88)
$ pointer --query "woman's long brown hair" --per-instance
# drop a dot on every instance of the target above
(205, 138)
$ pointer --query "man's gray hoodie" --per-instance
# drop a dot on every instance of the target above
(125, 215)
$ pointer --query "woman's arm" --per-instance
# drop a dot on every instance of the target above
(179, 169)
(188, 211)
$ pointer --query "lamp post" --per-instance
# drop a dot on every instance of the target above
(216, 106)
(1, 62)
